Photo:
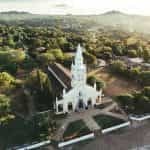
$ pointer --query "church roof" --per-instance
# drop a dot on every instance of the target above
(62, 73)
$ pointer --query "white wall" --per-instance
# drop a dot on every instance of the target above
(89, 136)
(116, 127)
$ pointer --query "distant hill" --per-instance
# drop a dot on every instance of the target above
(113, 12)
(14, 12)
(114, 19)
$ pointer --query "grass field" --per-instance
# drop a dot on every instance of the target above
(107, 121)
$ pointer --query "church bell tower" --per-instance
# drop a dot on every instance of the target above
(78, 69)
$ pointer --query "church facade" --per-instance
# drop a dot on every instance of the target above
(81, 95)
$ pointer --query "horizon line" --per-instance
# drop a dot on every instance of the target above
(76, 14)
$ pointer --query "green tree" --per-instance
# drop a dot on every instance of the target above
(10, 67)
(12, 56)
(145, 78)
(118, 66)
(146, 55)
(146, 91)
(91, 80)
(29, 63)
(89, 58)
(132, 53)
(126, 102)
(6, 80)
(58, 54)
(46, 58)
(39, 86)
(135, 73)
(5, 110)
(100, 84)
(10, 42)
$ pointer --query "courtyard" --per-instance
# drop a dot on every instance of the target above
(86, 120)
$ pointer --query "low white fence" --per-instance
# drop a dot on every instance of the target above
(115, 127)
(35, 145)
(139, 118)
(82, 138)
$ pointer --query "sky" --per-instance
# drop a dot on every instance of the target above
(141, 7)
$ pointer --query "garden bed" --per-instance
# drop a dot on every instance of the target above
(76, 129)
(105, 121)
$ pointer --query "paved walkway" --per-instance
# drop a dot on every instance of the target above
(87, 117)
(90, 122)
(120, 116)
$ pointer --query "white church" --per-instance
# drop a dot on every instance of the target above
(81, 95)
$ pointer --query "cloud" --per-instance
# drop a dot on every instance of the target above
(62, 6)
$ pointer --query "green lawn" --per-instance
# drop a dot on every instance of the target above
(105, 121)
(76, 129)
(18, 132)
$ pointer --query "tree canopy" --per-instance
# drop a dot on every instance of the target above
(5, 109)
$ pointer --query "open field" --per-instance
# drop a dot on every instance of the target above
(115, 85)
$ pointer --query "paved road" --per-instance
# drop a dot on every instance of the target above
(128, 139)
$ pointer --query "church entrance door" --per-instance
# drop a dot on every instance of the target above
(89, 102)
(81, 105)
(70, 108)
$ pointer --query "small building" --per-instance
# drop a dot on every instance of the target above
(80, 95)
(136, 60)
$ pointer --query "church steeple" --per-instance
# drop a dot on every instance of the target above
(78, 69)
(78, 56)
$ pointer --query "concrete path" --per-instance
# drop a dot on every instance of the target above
(119, 116)
(109, 108)
(91, 124)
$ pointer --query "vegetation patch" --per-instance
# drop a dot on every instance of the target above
(75, 129)
(19, 131)
(105, 121)
(136, 103)
(136, 74)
